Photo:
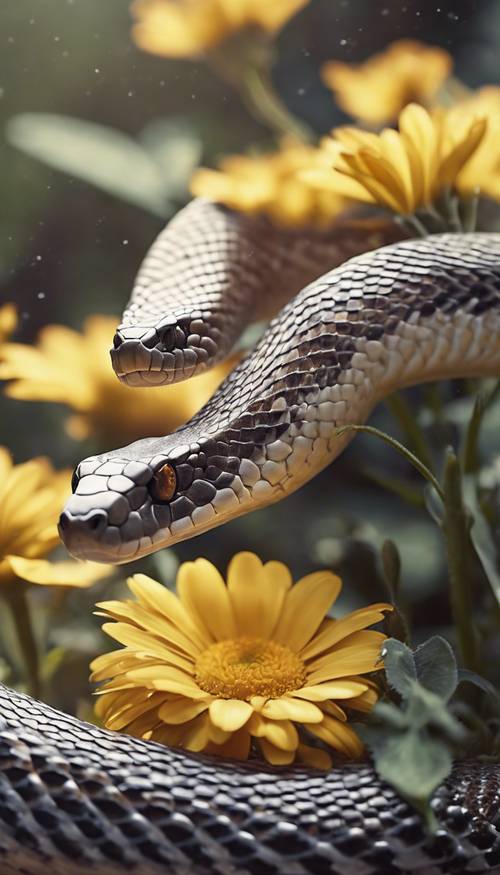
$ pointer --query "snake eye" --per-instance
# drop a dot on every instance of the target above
(164, 483)
(74, 479)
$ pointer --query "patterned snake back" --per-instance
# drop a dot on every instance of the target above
(74, 798)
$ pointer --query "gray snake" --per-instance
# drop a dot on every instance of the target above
(75, 798)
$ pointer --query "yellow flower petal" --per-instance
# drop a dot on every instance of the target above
(336, 630)
(305, 606)
(277, 756)
(204, 595)
(230, 714)
(313, 757)
(70, 573)
(343, 689)
(339, 736)
(257, 592)
(182, 710)
(292, 709)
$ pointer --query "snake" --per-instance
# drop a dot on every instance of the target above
(354, 312)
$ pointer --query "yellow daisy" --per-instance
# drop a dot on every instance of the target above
(31, 497)
(271, 185)
(8, 322)
(222, 668)
(482, 171)
(188, 28)
(73, 368)
(378, 89)
(401, 170)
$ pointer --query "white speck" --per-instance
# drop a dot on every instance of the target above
(38, 257)
(41, 296)
(96, 70)
(130, 93)
(125, 242)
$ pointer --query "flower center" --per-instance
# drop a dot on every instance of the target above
(240, 668)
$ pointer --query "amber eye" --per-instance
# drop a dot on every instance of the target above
(164, 483)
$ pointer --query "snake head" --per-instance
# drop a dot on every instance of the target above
(173, 349)
(129, 503)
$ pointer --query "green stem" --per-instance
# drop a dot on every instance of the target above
(262, 100)
(15, 596)
(403, 414)
(396, 445)
(456, 529)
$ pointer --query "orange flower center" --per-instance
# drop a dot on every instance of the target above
(240, 668)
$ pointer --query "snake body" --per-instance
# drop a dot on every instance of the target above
(74, 798)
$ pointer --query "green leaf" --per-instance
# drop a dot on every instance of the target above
(399, 666)
(436, 667)
(97, 154)
(390, 715)
(426, 709)
(471, 677)
(412, 762)
(176, 148)
(481, 537)
(391, 564)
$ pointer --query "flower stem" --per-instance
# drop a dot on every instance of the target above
(396, 445)
(262, 100)
(15, 596)
(456, 528)
(245, 63)
(402, 413)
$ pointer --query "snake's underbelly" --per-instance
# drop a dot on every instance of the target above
(74, 798)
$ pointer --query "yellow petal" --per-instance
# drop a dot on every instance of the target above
(152, 594)
(277, 756)
(182, 710)
(314, 757)
(292, 709)
(256, 592)
(336, 630)
(335, 690)
(204, 594)
(70, 573)
(339, 736)
(230, 714)
(281, 733)
(237, 747)
(305, 606)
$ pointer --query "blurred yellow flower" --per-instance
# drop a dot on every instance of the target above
(187, 28)
(378, 89)
(482, 171)
(74, 368)
(8, 322)
(222, 667)
(271, 184)
(31, 497)
(403, 170)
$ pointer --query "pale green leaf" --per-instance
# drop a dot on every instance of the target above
(97, 154)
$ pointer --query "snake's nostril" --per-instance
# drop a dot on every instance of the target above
(117, 340)
(63, 521)
(96, 521)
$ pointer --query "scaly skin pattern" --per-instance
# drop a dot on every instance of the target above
(210, 273)
(74, 798)
(77, 799)
(413, 311)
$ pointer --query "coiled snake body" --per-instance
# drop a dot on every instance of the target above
(74, 798)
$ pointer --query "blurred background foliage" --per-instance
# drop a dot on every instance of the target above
(71, 243)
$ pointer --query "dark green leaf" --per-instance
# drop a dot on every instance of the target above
(413, 763)
(466, 676)
(436, 667)
(400, 667)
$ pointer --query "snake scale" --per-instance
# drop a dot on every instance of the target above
(74, 798)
